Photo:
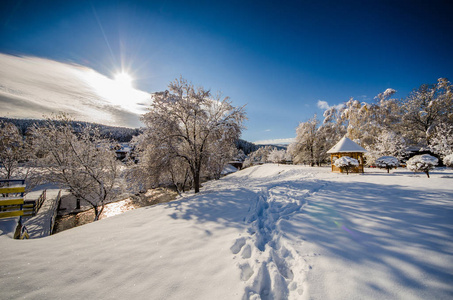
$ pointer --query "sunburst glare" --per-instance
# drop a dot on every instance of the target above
(124, 79)
(118, 91)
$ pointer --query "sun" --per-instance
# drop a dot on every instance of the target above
(124, 79)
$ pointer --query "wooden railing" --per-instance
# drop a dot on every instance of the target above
(11, 198)
(56, 205)
(31, 207)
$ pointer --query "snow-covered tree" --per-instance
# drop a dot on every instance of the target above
(387, 162)
(223, 151)
(448, 160)
(346, 163)
(259, 156)
(156, 167)
(426, 107)
(306, 147)
(389, 143)
(81, 161)
(13, 149)
(277, 156)
(387, 111)
(422, 163)
(186, 122)
(442, 140)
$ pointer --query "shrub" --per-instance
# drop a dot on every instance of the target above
(422, 163)
(346, 163)
(448, 160)
(387, 162)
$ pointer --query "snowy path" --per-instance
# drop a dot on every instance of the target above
(276, 270)
(39, 225)
(266, 232)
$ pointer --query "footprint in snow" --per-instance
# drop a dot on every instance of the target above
(237, 246)
(246, 271)
(247, 252)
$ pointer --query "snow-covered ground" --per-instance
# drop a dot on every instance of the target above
(266, 232)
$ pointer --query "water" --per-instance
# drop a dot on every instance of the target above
(154, 196)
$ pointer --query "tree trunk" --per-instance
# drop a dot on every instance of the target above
(427, 173)
(98, 212)
(196, 182)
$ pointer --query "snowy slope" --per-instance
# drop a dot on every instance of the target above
(266, 232)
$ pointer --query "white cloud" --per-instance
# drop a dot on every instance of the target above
(275, 141)
(31, 87)
(323, 104)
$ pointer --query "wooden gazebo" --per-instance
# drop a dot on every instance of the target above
(346, 147)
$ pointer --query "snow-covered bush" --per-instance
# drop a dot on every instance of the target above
(259, 156)
(346, 163)
(448, 160)
(422, 163)
(387, 162)
(277, 156)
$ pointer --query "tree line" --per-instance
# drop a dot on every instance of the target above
(421, 122)
(119, 134)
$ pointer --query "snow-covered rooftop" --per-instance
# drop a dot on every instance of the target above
(346, 145)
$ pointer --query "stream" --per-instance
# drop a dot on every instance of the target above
(66, 221)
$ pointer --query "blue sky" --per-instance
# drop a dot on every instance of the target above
(277, 57)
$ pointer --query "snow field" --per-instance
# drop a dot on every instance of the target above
(266, 232)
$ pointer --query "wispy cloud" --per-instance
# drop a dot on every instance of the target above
(31, 87)
(323, 104)
(275, 142)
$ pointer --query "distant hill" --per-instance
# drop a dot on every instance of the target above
(119, 134)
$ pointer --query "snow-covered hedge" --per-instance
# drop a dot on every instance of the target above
(346, 163)
(422, 163)
(387, 162)
(448, 160)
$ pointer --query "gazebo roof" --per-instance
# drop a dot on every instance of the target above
(346, 145)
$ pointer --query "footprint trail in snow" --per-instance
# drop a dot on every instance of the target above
(270, 265)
